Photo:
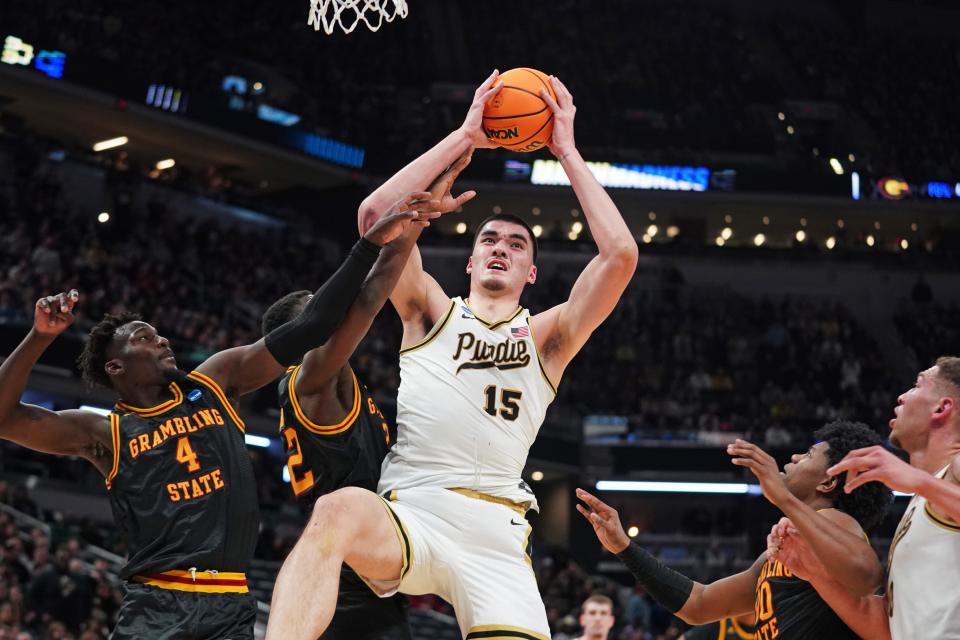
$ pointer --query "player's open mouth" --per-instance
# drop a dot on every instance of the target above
(497, 265)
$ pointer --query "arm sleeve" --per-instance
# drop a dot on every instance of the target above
(666, 586)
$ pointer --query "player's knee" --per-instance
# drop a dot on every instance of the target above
(340, 510)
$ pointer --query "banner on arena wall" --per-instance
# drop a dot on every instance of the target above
(627, 176)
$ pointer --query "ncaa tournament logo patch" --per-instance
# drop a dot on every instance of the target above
(194, 395)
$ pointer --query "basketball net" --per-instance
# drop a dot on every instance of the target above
(347, 14)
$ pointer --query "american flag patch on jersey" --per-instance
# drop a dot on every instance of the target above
(519, 332)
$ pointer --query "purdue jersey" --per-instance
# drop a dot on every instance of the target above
(322, 458)
(182, 487)
(472, 397)
(791, 609)
(923, 596)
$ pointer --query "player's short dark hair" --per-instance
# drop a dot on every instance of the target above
(509, 217)
(949, 369)
(597, 598)
(93, 357)
(283, 310)
(867, 503)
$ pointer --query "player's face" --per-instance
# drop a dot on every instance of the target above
(597, 620)
(915, 407)
(806, 471)
(502, 258)
(143, 355)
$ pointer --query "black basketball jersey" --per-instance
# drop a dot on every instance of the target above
(791, 609)
(323, 458)
(182, 486)
(726, 629)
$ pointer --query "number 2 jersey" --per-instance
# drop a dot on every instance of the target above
(323, 458)
(472, 397)
(182, 487)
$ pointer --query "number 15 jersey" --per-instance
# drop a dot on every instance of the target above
(472, 397)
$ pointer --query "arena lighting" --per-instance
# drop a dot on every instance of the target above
(166, 164)
(759, 239)
(840, 223)
(913, 226)
(497, 210)
(673, 231)
(536, 476)
(646, 239)
(801, 235)
(571, 236)
(537, 231)
(256, 441)
(803, 222)
(766, 220)
(576, 227)
(831, 242)
(791, 130)
(535, 211)
(648, 486)
(893, 188)
(871, 240)
(285, 474)
(781, 116)
(627, 176)
(652, 215)
(836, 166)
(854, 185)
(904, 244)
(720, 241)
(652, 230)
(633, 531)
(726, 233)
(728, 219)
(112, 143)
(461, 227)
(851, 157)
(103, 217)
(876, 225)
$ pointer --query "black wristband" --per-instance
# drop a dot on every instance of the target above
(288, 343)
(666, 586)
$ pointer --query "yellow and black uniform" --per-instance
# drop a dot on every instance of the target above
(324, 458)
(182, 489)
(791, 609)
(726, 629)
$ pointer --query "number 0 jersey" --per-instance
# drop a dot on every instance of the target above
(182, 486)
(472, 397)
(323, 458)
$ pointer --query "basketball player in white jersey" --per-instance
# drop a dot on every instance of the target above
(923, 568)
(477, 375)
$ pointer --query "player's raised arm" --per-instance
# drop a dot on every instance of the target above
(244, 369)
(321, 365)
(600, 285)
(418, 298)
(72, 432)
(693, 602)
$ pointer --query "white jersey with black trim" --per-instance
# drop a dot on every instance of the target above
(923, 584)
(472, 397)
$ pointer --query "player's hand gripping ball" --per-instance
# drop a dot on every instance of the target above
(517, 118)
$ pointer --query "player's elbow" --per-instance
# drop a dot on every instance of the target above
(623, 257)
(367, 214)
(869, 578)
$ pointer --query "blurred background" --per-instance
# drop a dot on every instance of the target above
(790, 170)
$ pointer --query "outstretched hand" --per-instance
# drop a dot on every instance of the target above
(473, 123)
(52, 315)
(561, 142)
(441, 188)
(763, 466)
(876, 464)
(414, 211)
(605, 522)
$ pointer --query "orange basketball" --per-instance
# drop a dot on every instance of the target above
(517, 118)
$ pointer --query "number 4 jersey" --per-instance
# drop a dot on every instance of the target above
(472, 397)
(182, 486)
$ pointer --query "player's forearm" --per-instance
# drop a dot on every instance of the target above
(15, 371)
(852, 561)
(669, 588)
(944, 497)
(865, 615)
(386, 272)
(607, 226)
(416, 176)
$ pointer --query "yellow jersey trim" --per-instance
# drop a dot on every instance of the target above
(943, 523)
(115, 439)
(195, 581)
(319, 429)
(503, 632)
(740, 631)
(211, 384)
(406, 548)
(433, 332)
(496, 324)
(543, 371)
(157, 410)
(519, 507)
